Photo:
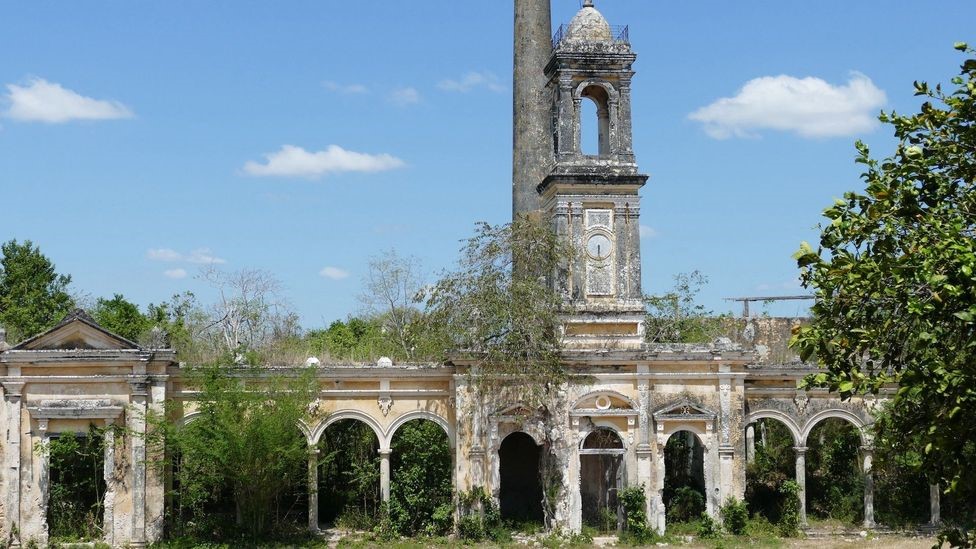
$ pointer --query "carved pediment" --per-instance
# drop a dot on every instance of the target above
(76, 331)
(518, 411)
(684, 409)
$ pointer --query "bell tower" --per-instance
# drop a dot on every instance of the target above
(592, 199)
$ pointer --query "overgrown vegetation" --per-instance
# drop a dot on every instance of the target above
(77, 486)
(893, 276)
(240, 465)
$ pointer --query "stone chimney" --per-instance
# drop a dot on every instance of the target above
(532, 106)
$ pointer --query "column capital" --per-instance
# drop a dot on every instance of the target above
(13, 388)
(385, 452)
(800, 450)
(867, 449)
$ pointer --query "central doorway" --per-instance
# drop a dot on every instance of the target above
(601, 479)
(520, 493)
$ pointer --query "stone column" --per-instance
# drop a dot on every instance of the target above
(313, 490)
(801, 479)
(43, 479)
(108, 473)
(13, 397)
(644, 450)
(750, 443)
(868, 456)
(137, 422)
(659, 517)
(935, 504)
(385, 474)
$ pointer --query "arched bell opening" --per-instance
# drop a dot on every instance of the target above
(601, 479)
(595, 121)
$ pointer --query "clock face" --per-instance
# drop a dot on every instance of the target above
(599, 247)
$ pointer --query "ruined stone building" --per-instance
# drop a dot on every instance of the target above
(613, 429)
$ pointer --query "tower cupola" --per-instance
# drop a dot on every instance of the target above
(589, 25)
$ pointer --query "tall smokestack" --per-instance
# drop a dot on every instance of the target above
(532, 144)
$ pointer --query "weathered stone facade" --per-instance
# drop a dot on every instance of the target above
(637, 395)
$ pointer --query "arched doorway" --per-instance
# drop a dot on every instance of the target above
(834, 480)
(421, 478)
(771, 461)
(349, 475)
(684, 477)
(601, 478)
(520, 490)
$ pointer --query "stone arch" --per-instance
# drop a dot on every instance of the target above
(612, 93)
(840, 413)
(422, 414)
(691, 428)
(610, 393)
(782, 417)
(189, 418)
(316, 434)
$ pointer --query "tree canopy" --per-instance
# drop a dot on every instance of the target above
(33, 296)
(895, 280)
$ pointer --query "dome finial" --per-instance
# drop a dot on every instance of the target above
(587, 3)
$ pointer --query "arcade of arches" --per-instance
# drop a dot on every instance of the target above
(682, 417)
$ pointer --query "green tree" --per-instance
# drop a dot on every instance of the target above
(421, 479)
(500, 310)
(121, 317)
(33, 296)
(242, 462)
(677, 317)
(894, 278)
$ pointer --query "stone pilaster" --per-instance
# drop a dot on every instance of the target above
(935, 505)
(385, 474)
(13, 396)
(137, 426)
(313, 490)
(108, 473)
(801, 479)
(867, 454)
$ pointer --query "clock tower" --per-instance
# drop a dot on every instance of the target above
(592, 197)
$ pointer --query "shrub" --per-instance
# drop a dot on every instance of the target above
(734, 516)
(686, 504)
(634, 503)
(789, 513)
(707, 527)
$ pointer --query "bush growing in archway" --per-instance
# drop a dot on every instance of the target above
(420, 492)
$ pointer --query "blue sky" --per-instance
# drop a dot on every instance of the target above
(141, 140)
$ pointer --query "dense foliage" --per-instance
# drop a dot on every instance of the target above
(835, 484)
(895, 282)
(421, 498)
(678, 317)
(734, 515)
(634, 502)
(77, 486)
(773, 464)
(349, 475)
(240, 466)
(33, 296)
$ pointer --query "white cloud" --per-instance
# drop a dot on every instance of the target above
(347, 89)
(809, 107)
(200, 256)
(472, 80)
(334, 273)
(648, 232)
(43, 101)
(405, 96)
(175, 274)
(292, 161)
